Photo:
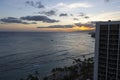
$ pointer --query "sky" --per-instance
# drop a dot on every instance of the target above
(56, 15)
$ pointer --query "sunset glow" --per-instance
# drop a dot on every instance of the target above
(63, 16)
(73, 29)
(83, 28)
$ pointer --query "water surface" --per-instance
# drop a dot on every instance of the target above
(24, 53)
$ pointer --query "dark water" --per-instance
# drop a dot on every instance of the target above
(24, 53)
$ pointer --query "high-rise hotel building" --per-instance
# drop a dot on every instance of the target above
(107, 51)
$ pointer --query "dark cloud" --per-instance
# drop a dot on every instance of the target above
(48, 13)
(83, 15)
(14, 20)
(37, 4)
(63, 14)
(58, 26)
(86, 17)
(39, 18)
(10, 20)
(89, 24)
(76, 19)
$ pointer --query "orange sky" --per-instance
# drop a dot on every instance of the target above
(22, 27)
(73, 29)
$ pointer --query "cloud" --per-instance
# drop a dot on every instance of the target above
(74, 5)
(89, 24)
(71, 15)
(107, 0)
(11, 20)
(29, 23)
(14, 20)
(106, 16)
(34, 4)
(48, 13)
(82, 14)
(63, 14)
(75, 19)
(58, 26)
(67, 28)
(86, 17)
(39, 18)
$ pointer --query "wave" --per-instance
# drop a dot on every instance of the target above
(27, 60)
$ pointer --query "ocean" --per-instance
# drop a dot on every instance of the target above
(23, 53)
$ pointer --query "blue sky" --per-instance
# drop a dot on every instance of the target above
(27, 15)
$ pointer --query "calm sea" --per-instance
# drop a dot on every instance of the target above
(24, 53)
